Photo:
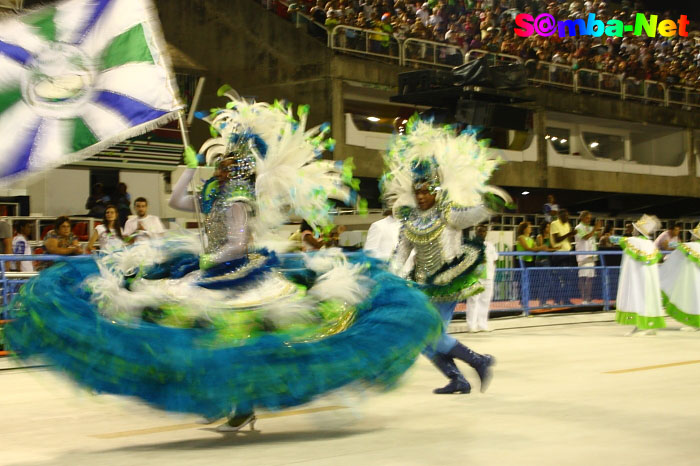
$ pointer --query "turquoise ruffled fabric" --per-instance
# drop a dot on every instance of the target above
(180, 370)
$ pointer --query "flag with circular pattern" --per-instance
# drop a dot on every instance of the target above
(77, 77)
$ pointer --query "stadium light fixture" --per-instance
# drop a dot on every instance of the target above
(373, 119)
(594, 144)
(554, 138)
(525, 193)
(563, 141)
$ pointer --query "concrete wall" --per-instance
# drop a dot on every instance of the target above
(257, 53)
(62, 191)
(145, 184)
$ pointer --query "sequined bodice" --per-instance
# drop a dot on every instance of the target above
(217, 226)
(423, 229)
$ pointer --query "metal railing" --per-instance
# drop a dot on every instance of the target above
(551, 74)
(426, 52)
(518, 287)
(350, 39)
(419, 52)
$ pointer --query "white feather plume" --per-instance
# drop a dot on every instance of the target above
(464, 165)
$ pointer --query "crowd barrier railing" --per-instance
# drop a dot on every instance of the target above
(550, 283)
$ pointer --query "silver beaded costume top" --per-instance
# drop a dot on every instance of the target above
(436, 236)
(226, 223)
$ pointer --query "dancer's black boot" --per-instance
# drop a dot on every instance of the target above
(458, 384)
(482, 363)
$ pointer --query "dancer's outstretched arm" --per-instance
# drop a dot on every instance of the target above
(180, 198)
(465, 217)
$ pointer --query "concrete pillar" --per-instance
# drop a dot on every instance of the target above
(539, 124)
(338, 118)
(689, 137)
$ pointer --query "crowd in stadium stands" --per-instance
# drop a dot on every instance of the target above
(489, 25)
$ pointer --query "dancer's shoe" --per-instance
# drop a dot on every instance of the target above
(457, 384)
(236, 423)
(482, 363)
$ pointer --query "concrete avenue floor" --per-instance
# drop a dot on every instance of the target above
(568, 390)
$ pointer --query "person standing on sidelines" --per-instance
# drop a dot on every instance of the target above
(143, 226)
(586, 235)
(382, 237)
(560, 237)
(20, 245)
(478, 305)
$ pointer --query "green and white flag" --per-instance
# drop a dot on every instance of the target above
(78, 77)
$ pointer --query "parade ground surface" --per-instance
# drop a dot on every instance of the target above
(568, 390)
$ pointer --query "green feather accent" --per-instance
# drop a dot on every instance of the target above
(223, 90)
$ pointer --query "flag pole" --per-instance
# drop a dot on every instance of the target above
(185, 143)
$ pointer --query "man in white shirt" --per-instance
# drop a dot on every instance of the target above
(586, 236)
(478, 305)
(143, 226)
(382, 237)
(20, 246)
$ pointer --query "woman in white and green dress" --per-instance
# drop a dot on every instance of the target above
(638, 294)
(680, 282)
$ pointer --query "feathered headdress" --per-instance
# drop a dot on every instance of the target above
(284, 156)
(458, 167)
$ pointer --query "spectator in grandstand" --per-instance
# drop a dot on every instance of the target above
(629, 230)
(586, 236)
(110, 232)
(669, 239)
(550, 208)
(478, 305)
(525, 242)
(6, 236)
(318, 14)
(122, 200)
(61, 240)
(97, 201)
(142, 225)
(20, 245)
(560, 237)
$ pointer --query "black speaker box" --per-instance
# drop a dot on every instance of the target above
(493, 115)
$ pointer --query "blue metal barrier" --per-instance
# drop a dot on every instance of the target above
(515, 288)
(548, 286)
